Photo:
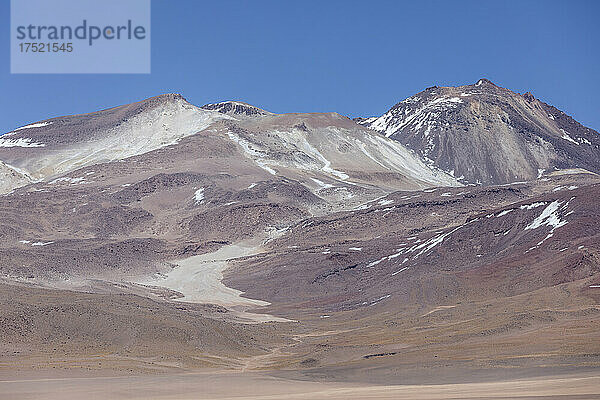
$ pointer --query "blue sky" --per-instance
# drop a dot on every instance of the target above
(357, 58)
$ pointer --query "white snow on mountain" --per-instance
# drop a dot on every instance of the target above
(70, 180)
(316, 151)
(20, 142)
(36, 125)
(419, 116)
(548, 217)
(160, 126)
(568, 137)
(199, 196)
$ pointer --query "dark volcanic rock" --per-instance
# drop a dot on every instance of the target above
(236, 108)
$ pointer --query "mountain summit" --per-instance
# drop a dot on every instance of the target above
(63, 144)
(483, 133)
(236, 108)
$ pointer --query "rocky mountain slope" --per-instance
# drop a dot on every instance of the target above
(328, 146)
(60, 145)
(486, 134)
(160, 236)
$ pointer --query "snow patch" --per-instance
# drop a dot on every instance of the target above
(41, 243)
(567, 137)
(558, 188)
(503, 213)
(36, 125)
(532, 206)
(199, 196)
(72, 181)
(548, 217)
(374, 263)
(20, 142)
(400, 270)
(429, 244)
(385, 202)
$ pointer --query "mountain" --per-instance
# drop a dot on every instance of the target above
(162, 172)
(59, 145)
(325, 143)
(486, 134)
(325, 148)
(163, 237)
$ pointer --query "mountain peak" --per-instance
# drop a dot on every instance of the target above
(170, 96)
(164, 98)
(237, 108)
(484, 82)
(111, 134)
(488, 134)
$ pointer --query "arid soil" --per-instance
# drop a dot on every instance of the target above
(253, 386)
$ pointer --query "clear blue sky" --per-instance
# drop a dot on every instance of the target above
(354, 57)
